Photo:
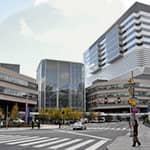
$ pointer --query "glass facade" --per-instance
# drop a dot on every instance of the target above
(61, 84)
(112, 44)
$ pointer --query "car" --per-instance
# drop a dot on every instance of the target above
(102, 120)
(18, 120)
(79, 126)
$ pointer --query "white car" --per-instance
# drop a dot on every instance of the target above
(79, 126)
(18, 120)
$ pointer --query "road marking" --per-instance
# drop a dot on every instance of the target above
(41, 141)
(124, 129)
(80, 145)
(12, 139)
(28, 140)
(118, 129)
(65, 144)
(81, 134)
(96, 145)
(51, 143)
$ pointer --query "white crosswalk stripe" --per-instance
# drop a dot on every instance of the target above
(80, 145)
(28, 140)
(13, 139)
(41, 141)
(107, 128)
(96, 145)
(51, 143)
(65, 144)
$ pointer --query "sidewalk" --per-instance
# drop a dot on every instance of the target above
(43, 126)
(125, 142)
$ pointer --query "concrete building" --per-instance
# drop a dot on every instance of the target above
(60, 84)
(122, 49)
(112, 96)
(16, 88)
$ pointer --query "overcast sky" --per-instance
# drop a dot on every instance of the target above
(31, 30)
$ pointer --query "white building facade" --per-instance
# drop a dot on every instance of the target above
(109, 61)
(123, 48)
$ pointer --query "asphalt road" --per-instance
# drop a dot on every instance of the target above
(97, 136)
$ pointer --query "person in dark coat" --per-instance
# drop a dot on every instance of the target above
(38, 124)
(32, 124)
(135, 134)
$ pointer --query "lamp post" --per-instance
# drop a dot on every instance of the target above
(26, 109)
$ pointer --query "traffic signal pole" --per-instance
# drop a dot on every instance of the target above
(131, 102)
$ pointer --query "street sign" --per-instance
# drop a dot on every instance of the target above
(135, 110)
(132, 102)
(130, 90)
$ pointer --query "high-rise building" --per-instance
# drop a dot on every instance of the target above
(123, 48)
(60, 84)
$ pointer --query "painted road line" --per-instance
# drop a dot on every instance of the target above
(118, 129)
(38, 142)
(25, 141)
(13, 139)
(65, 144)
(51, 143)
(96, 145)
(124, 129)
(82, 134)
(80, 144)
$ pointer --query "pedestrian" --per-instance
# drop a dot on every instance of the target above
(135, 134)
(59, 123)
(32, 123)
(38, 124)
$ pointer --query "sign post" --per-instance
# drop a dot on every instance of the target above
(131, 101)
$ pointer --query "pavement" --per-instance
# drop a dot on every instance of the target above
(42, 126)
(125, 142)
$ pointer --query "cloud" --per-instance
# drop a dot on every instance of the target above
(25, 29)
(128, 3)
(39, 2)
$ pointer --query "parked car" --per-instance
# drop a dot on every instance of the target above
(79, 126)
(102, 120)
(18, 120)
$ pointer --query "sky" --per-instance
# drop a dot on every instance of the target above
(32, 30)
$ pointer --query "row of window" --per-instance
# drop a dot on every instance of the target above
(17, 93)
(118, 87)
(4, 77)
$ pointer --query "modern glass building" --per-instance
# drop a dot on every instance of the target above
(60, 84)
(123, 48)
(16, 88)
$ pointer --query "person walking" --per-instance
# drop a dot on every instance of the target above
(135, 134)
(32, 123)
(38, 124)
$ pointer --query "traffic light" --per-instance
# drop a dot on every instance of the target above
(118, 100)
(105, 100)
(130, 81)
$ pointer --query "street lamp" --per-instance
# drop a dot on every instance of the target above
(26, 108)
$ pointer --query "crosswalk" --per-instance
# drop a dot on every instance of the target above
(52, 143)
(108, 128)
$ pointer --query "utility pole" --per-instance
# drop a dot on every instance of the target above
(131, 101)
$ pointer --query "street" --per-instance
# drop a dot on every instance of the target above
(97, 136)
